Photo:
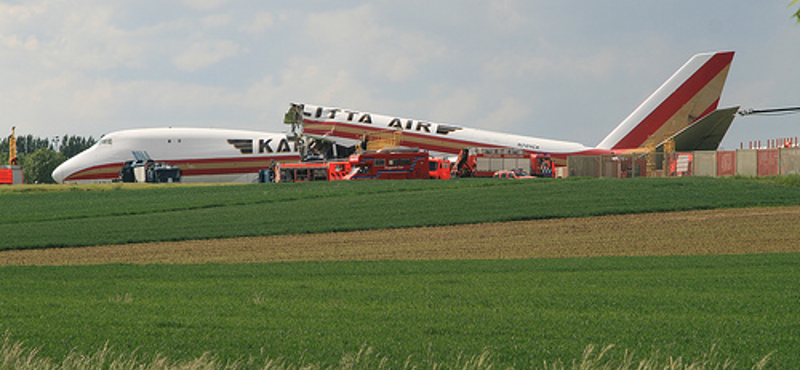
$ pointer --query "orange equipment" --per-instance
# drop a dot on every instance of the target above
(485, 162)
(312, 171)
(398, 164)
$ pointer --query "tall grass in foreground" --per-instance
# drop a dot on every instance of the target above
(524, 311)
(13, 355)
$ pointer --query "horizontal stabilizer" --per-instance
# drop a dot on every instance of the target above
(705, 134)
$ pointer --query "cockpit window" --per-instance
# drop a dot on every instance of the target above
(105, 141)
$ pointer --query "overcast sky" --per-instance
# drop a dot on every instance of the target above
(568, 70)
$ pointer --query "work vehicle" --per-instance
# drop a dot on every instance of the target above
(517, 173)
(312, 171)
(397, 164)
(485, 162)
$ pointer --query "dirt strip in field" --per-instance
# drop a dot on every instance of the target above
(730, 231)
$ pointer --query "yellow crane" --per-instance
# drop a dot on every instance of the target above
(12, 147)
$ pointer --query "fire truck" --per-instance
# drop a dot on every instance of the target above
(312, 171)
(484, 162)
(397, 164)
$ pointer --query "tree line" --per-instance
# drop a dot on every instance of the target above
(38, 157)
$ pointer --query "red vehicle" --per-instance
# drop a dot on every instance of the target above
(485, 162)
(398, 164)
(439, 168)
(11, 175)
(542, 166)
(312, 171)
(517, 173)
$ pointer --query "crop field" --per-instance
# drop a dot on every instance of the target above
(522, 311)
(518, 288)
(723, 231)
(171, 213)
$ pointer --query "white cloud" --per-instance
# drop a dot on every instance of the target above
(509, 113)
(11, 41)
(204, 4)
(352, 39)
(506, 15)
(31, 43)
(166, 96)
(19, 13)
(402, 61)
(512, 65)
(76, 104)
(216, 20)
(261, 22)
(305, 81)
(202, 54)
(453, 105)
(82, 36)
(98, 100)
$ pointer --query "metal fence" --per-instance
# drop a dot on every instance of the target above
(746, 162)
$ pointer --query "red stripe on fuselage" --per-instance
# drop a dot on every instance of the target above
(233, 166)
(328, 131)
(678, 99)
(103, 172)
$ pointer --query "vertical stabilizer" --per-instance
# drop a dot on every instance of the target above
(691, 93)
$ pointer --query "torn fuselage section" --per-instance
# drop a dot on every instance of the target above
(144, 169)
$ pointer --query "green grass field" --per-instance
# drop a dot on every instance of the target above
(425, 314)
(522, 311)
(167, 213)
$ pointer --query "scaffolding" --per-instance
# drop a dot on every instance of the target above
(385, 139)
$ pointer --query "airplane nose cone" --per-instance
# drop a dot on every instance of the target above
(60, 173)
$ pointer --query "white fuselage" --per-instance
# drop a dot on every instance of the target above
(689, 94)
(348, 127)
(203, 155)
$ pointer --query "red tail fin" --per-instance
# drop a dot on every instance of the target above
(691, 93)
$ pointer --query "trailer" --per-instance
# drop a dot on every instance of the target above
(11, 175)
(485, 162)
(312, 171)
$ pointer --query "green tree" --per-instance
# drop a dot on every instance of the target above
(28, 144)
(38, 165)
(25, 145)
(4, 151)
(72, 145)
(37, 168)
(797, 13)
